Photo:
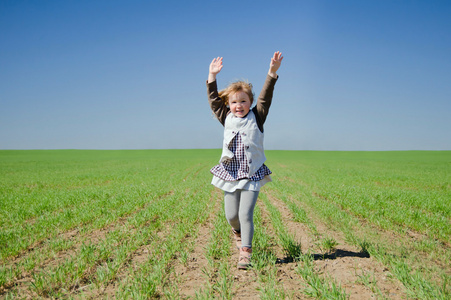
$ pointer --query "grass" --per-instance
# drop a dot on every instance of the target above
(113, 224)
(317, 286)
(365, 194)
(217, 253)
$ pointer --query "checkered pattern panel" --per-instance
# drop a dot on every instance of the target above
(237, 167)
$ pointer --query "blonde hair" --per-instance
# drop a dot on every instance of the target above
(234, 87)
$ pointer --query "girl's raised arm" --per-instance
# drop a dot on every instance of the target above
(215, 68)
(276, 60)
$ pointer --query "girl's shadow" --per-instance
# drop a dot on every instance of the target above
(331, 255)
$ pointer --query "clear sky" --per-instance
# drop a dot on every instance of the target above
(356, 75)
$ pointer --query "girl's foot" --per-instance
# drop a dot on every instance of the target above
(244, 261)
(237, 235)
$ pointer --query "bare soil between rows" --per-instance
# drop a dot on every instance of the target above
(345, 263)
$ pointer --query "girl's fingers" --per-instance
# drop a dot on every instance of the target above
(277, 56)
(217, 60)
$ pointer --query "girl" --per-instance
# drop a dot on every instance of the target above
(241, 170)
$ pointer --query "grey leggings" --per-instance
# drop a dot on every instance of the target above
(239, 210)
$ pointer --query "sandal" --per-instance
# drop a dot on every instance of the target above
(244, 261)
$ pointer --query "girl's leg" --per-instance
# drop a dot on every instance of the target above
(247, 202)
(231, 207)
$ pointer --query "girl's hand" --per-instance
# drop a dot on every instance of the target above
(215, 68)
(216, 65)
(276, 60)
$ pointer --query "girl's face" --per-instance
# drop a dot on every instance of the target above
(239, 104)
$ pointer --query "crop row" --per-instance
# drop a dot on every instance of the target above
(368, 204)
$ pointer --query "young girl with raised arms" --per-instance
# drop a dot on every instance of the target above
(241, 171)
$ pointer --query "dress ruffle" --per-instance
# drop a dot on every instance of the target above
(243, 184)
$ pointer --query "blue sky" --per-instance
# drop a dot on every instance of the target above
(356, 75)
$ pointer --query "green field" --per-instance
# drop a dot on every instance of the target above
(143, 224)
